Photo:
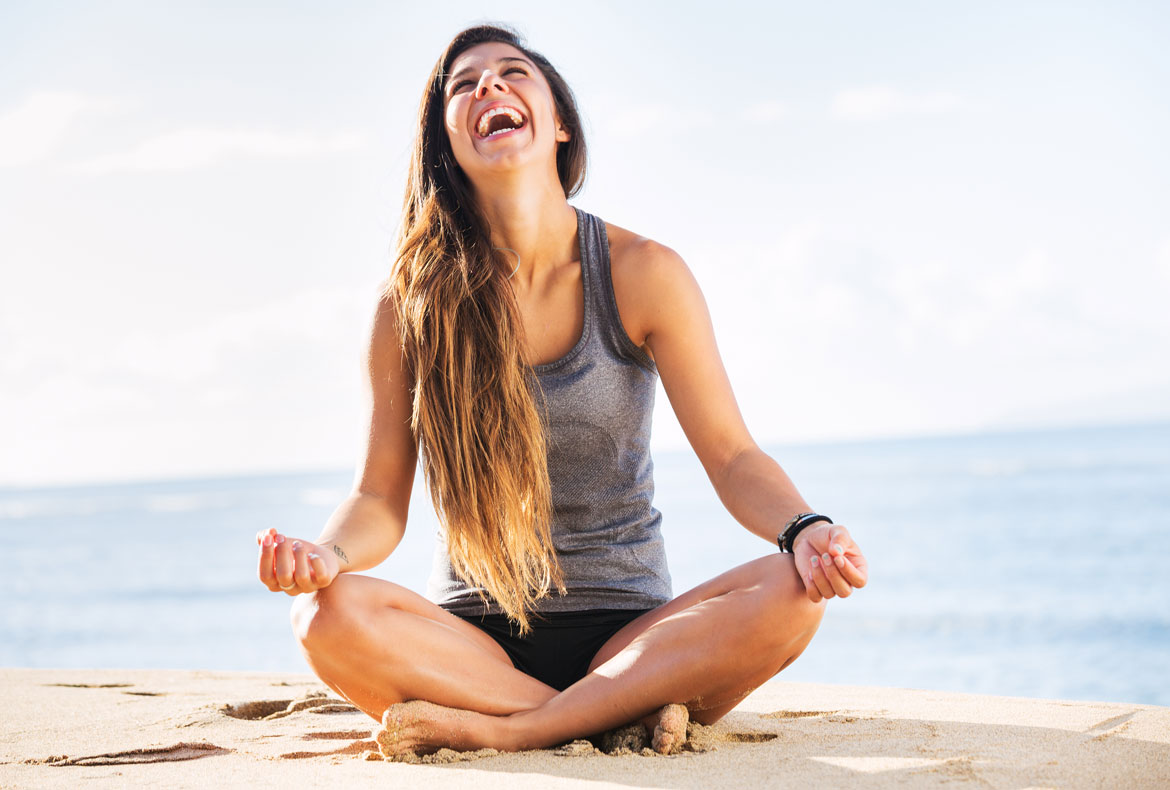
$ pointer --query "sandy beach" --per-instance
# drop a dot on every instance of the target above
(161, 728)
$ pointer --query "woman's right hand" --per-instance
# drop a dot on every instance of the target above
(294, 566)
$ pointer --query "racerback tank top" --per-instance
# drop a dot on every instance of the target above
(600, 399)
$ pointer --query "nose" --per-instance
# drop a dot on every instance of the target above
(487, 81)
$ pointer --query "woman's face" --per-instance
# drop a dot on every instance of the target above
(500, 113)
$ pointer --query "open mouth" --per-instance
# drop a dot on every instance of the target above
(499, 120)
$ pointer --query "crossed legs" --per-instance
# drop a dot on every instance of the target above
(379, 644)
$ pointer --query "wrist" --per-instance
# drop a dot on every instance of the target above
(795, 527)
(334, 556)
(803, 537)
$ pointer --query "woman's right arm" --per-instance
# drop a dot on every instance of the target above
(368, 525)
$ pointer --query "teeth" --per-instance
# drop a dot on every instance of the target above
(485, 120)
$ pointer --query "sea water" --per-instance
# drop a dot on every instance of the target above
(1027, 564)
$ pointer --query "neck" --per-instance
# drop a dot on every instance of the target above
(534, 220)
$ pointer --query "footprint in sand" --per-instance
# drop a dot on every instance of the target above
(269, 709)
(750, 737)
(336, 736)
(796, 714)
(364, 744)
(108, 686)
(313, 702)
(162, 754)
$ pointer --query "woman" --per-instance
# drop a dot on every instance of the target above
(516, 344)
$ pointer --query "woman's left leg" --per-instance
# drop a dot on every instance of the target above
(709, 648)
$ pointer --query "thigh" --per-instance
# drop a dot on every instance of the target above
(376, 643)
(358, 591)
(742, 577)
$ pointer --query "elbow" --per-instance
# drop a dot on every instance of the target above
(725, 470)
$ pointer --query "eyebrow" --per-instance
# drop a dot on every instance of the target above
(452, 77)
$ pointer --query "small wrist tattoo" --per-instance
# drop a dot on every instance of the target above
(341, 554)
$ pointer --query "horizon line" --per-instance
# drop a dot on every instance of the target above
(991, 430)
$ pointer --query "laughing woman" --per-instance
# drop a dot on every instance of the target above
(516, 345)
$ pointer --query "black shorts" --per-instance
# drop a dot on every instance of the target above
(560, 646)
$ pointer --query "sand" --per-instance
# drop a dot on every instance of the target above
(158, 728)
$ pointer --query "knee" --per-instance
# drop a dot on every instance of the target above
(785, 598)
(318, 618)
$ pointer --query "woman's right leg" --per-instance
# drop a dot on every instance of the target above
(377, 643)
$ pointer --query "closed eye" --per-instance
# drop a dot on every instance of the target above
(458, 86)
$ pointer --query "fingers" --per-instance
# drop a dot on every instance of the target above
(814, 594)
(833, 574)
(284, 562)
(810, 589)
(320, 571)
(817, 577)
(265, 571)
(851, 573)
(302, 569)
(847, 557)
(290, 566)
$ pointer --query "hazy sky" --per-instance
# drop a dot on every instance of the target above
(906, 217)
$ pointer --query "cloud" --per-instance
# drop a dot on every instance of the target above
(31, 131)
(1011, 287)
(615, 118)
(765, 111)
(881, 101)
(329, 318)
(632, 121)
(187, 149)
(273, 385)
(618, 120)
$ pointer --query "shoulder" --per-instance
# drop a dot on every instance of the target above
(637, 257)
(386, 360)
(647, 276)
(385, 329)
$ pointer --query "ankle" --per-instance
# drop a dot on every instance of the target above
(516, 732)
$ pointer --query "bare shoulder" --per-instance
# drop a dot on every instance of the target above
(642, 270)
(638, 256)
(385, 327)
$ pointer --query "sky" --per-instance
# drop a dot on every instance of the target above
(906, 218)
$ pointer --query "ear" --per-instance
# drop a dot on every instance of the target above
(563, 135)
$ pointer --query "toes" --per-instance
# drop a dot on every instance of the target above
(387, 743)
(671, 731)
(409, 728)
(390, 738)
(665, 741)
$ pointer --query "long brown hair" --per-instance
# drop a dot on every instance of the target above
(474, 412)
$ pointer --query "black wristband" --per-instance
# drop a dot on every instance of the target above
(795, 524)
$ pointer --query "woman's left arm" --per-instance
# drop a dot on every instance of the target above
(672, 315)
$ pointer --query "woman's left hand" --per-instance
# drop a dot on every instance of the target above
(829, 562)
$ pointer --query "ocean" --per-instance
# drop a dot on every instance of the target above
(1025, 564)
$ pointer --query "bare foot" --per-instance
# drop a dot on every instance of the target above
(419, 727)
(670, 728)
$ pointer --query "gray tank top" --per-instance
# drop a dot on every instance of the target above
(600, 398)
